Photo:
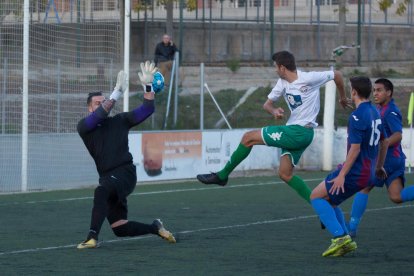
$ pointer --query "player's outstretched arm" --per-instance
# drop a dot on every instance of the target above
(95, 118)
(339, 81)
(146, 78)
(120, 87)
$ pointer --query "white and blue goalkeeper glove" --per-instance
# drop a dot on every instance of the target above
(120, 87)
(146, 76)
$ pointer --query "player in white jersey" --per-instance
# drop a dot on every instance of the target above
(301, 92)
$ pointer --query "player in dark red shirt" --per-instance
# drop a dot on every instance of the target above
(395, 160)
(365, 158)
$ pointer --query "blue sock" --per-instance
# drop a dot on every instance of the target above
(407, 194)
(341, 219)
(358, 209)
(327, 216)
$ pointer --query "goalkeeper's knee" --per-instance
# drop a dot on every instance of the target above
(101, 195)
(122, 230)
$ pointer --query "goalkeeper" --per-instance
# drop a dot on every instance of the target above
(106, 139)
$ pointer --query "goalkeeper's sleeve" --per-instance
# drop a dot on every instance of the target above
(92, 120)
(141, 113)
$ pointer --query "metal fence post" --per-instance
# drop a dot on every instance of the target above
(3, 97)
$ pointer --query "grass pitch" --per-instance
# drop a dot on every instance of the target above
(252, 226)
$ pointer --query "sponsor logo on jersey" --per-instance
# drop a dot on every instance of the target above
(294, 100)
(355, 118)
(275, 135)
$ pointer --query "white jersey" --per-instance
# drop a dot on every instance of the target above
(302, 96)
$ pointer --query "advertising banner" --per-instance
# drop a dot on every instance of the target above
(166, 155)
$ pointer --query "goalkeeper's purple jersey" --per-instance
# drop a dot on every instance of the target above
(364, 128)
(392, 121)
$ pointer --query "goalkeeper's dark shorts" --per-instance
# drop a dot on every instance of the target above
(120, 183)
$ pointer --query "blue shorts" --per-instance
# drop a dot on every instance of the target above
(395, 168)
(351, 186)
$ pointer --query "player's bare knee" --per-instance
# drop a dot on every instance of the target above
(313, 195)
(246, 139)
(285, 176)
(396, 198)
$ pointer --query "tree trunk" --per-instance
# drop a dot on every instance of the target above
(342, 22)
(169, 22)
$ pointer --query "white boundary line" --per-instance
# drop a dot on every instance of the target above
(160, 192)
(39, 249)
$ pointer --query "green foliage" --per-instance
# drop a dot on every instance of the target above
(91, 79)
(191, 5)
(146, 4)
(248, 115)
(401, 9)
(356, 72)
(233, 64)
(384, 4)
(11, 129)
(344, 10)
(378, 71)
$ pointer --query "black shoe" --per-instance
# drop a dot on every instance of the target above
(211, 178)
(323, 226)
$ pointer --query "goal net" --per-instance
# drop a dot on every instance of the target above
(74, 49)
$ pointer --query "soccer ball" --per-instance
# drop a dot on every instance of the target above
(158, 82)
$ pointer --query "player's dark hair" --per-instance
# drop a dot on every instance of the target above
(286, 59)
(362, 85)
(387, 84)
(91, 95)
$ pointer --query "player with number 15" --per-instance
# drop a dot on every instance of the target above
(365, 158)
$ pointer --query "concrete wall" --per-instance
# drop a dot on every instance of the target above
(202, 42)
(251, 42)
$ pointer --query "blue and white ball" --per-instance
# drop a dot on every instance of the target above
(158, 82)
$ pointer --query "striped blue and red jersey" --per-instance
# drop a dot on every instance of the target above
(365, 128)
(392, 121)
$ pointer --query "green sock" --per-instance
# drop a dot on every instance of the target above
(297, 184)
(236, 158)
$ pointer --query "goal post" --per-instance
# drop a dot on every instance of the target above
(52, 54)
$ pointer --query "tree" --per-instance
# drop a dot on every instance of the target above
(169, 6)
(341, 21)
(401, 9)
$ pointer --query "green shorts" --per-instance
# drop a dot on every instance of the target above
(292, 139)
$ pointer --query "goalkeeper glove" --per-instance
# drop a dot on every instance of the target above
(146, 75)
(120, 87)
